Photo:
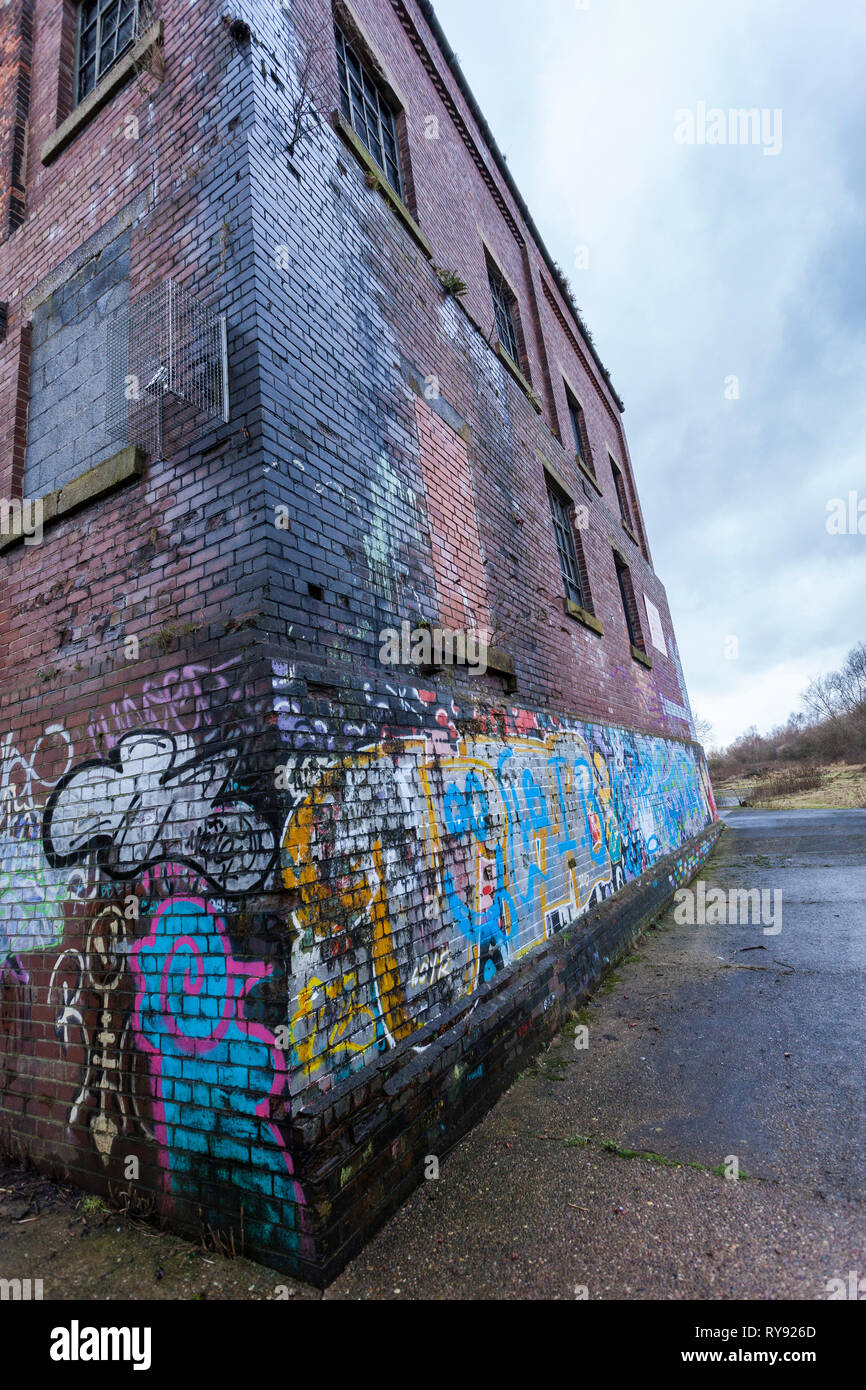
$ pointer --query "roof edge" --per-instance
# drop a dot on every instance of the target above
(427, 10)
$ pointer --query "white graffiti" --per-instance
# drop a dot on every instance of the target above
(32, 893)
(154, 799)
(99, 972)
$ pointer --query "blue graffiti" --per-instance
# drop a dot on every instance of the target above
(216, 1074)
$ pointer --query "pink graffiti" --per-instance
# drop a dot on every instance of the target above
(179, 701)
(187, 956)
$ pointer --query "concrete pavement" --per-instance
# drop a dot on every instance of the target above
(711, 1043)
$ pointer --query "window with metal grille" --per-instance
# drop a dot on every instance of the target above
(503, 308)
(578, 427)
(629, 604)
(369, 110)
(106, 29)
(622, 496)
(566, 545)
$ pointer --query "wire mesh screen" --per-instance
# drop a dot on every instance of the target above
(165, 344)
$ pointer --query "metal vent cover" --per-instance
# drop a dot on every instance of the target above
(165, 343)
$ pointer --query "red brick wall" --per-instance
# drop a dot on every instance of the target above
(460, 213)
(457, 559)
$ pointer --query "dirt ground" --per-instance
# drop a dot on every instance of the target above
(80, 1249)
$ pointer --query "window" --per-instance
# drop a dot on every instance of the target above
(578, 428)
(626, 590)
(67, 430)
(622, 496)
(106, 29)
(570, 558)
(504, 309)
(369, 110)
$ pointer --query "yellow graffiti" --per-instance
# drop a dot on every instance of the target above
(334, 1005)
(406, 868)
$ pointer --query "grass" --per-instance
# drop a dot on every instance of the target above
(610, 1146)
(551, 1065)
(94, 1206)
(799, 787)
(451, 282)
(648, 1155)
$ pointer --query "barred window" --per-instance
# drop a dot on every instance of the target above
(503, 308)
(622, 496)
(106, 29)
(566, 545)
(629, 603)
(369, 110)
(578, 427)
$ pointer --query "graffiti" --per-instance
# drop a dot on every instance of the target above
(31, 902)
(22, 777)
(100, 973)
(218, 1078)
(32, 894)
(324, 735)
(423, 868)
(359, 889)
(153, 799)
(16, 1004)
(179, 701)
(168, 880)
(96, 977)
(387, 536)
(330, 1026)
(421, 854)
(64, 995)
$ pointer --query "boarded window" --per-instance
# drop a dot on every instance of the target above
(66, 431)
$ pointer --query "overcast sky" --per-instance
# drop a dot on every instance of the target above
(706, 262)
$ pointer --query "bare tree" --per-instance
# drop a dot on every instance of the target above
(703, 730)
(307, 98)
(841, 692)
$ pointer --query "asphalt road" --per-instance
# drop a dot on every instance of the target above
(712, 1042)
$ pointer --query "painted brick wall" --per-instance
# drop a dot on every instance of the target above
(252, 878)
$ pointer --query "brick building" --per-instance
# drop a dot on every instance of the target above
(284, 905)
